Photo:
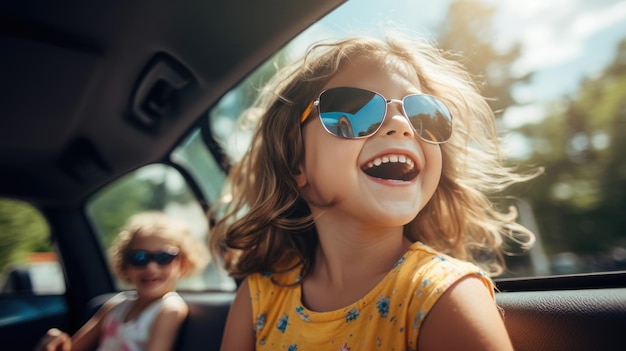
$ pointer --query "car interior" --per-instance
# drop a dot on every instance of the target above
(112, 106)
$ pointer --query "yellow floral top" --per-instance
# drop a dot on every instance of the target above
(387, 318)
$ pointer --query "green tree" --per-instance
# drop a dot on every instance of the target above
(143, 190)
(581, 196)
(22, 230)
(583, 192)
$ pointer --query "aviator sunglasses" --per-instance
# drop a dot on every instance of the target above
(354, 113)
(141, 258)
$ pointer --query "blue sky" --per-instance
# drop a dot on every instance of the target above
(562, 40)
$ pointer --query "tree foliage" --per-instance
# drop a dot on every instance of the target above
(578, 202)
(581, 145)
(130, 195)
(22, 230)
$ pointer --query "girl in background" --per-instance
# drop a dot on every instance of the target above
(151, 253)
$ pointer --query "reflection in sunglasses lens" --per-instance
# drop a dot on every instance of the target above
(356, 113)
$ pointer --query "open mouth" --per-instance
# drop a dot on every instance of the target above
(392, 167)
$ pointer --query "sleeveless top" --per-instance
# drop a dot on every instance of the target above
(387, 318)
(132, 335)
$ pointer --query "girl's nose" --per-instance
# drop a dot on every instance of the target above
(396, 123)
(152, 265)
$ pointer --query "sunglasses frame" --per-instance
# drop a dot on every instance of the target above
(157, 256)
(315, 103)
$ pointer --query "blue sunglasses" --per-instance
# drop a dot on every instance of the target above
(354, 113)
(141, 258)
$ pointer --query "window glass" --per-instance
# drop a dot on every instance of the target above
(555, 77)
(28, 263)
(155, 187)
(195, 157)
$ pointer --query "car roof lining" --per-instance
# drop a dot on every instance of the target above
(69, 75)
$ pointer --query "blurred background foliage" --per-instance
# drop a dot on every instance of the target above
(22, 230)
(148, 189)
(578, 202)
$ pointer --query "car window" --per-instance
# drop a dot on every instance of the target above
(32, 282)
(28, 263)
(201, 165)
(155, 187)
(555, 77)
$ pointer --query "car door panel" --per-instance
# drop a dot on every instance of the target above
(586, 319)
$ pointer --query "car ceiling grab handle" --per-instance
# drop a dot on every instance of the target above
(157, 92)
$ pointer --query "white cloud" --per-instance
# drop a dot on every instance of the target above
(516, 116)
(534, 8)
(544, 47)
(516, 146)
(588, 24)
(557, 31)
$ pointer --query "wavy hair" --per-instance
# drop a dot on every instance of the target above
(266, 223)
(193, 254)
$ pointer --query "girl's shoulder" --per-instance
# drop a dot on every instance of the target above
(170, 301)
(427, 274)
(118, 304)
(121, 299)
(173, 301)
(429, 267)
(172, 297)
(425, 255)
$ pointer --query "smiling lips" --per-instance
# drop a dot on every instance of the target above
(392, 167)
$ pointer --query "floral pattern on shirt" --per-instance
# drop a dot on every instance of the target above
(388, 317)
(383, 306)
(282, 323)
(352, 315)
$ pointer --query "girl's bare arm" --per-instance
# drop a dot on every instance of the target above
(165, 328)
(85, 338)
(464, 318)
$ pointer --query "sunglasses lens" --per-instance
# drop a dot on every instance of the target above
(139, 258)
(351, 112)
(164, 258)
(348, 112)
(429, 116)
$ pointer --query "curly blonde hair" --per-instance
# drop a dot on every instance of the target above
(193, 254)
(266, 224)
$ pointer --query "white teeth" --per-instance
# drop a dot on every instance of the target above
(391, 158)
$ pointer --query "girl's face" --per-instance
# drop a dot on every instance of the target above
(336, 169)
(154, 280)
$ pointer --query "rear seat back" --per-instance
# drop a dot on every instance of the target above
(203, 329)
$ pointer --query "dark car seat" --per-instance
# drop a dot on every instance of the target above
(204, 326)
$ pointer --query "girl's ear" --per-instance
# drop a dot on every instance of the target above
(301, 178)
